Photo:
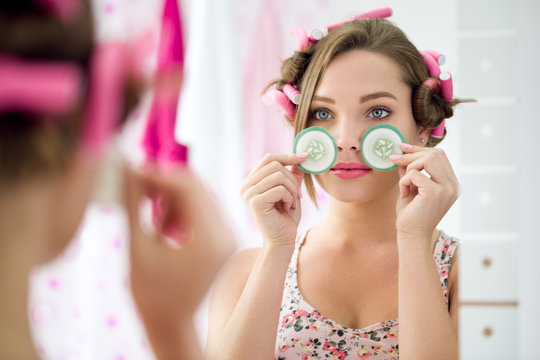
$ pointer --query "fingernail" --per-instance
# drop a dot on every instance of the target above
(395, 157)
(302, 155)
(406, 146)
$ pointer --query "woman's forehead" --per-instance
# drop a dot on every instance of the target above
(361, 72)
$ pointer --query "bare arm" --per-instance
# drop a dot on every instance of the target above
(244, 319)
(426, 329)
(168, 284)
(246, 301)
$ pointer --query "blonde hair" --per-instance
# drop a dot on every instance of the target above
(305, 69)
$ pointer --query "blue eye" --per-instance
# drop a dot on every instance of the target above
(321, 115)
(379, 113)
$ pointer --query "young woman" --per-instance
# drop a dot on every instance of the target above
(338, 291)
(61, 96)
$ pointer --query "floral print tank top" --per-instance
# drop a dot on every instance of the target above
(304, 333)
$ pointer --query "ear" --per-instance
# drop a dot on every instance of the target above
(422, 133)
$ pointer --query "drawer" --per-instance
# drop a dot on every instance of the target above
(488, 332)
(475, 15)
(488, 270)
(489, 202)
(487, 67)
(483, 132)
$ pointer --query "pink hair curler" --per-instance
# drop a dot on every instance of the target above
(447, 88)
(292, 93)
(439, 58)
(302, 39)
(108, 73)
(65, 9)
(438, 132)
(447, 92)
(432, 65)
(431, 82)
(366, 15)
(316, 35)
(279, 98)
(39, 86)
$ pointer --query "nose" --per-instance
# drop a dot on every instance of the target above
(348, 135)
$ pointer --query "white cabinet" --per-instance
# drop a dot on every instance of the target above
(488, 271)
(488, 332)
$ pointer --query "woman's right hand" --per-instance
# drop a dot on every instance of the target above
(272, 194)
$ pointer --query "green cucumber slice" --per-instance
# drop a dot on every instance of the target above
(378, 143)
(320, 146)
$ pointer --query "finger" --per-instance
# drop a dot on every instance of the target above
(271, 181)
(284, 159)
(434, 161)
(409, 148)
(298, 174)
(411, 179)
(266, 171)
(266, 201)
(141, 245)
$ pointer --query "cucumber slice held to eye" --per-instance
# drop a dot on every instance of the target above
(321, 147)
(378, 143)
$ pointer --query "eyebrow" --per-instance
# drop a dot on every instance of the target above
(363, 99)
(377, 95)
(323, 99)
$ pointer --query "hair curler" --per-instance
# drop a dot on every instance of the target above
(431, 64)
(438, 132)
(439, 58)
(431, 82)
(447, 89)
(108, 74)
(302, 39)
(39, 86)
(366, 15)
(65, 9)
(292, 93)
(279, 98)
(316, 35)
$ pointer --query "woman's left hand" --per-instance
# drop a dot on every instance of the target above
(424, 200)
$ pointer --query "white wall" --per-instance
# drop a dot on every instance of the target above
(529, 179)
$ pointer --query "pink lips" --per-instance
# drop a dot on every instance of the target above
(350, 170)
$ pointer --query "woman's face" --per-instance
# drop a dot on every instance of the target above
(360, 89)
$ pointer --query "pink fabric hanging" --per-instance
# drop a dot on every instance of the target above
(266, 128)
(158, 140)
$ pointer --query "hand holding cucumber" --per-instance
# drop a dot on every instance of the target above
(423, 200)
(272, 194)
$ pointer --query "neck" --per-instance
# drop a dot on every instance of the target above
(375, 221)
(23, 225)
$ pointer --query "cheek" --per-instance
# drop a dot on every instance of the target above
(409, 129)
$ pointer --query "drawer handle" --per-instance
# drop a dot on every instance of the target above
(488, 331)
(486, 262)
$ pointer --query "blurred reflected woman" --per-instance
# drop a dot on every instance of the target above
(61, 98)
